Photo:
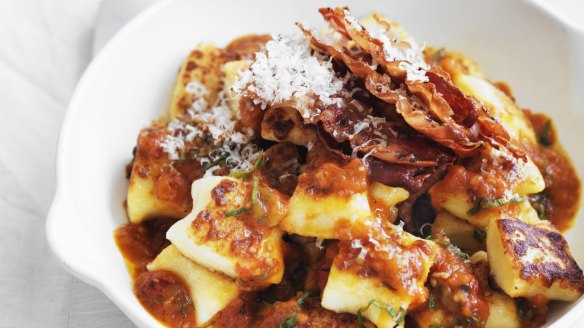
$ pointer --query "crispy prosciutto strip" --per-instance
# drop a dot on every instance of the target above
(447, 133)
(429, 103)
(365, 133)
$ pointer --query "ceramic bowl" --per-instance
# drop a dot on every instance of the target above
(129, 83)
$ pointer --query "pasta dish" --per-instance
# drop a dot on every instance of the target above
(347, 177)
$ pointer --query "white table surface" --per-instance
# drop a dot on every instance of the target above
(44, 47)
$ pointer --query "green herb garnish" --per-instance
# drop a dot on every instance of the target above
(242, 174)
(218, 161)
(483, 204)
(431, 302)
(538, 202)
(237, 212)
(398, 316)
(288, 322)
(360, 319)
(304, 296)
(522, 314)
(545, 137)
(472, 321)
(453, 248)
(480, 235)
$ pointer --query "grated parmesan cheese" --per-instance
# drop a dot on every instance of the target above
(196, 88)
(318, 243)
(173, 145)
(229, 146)
(288, 70)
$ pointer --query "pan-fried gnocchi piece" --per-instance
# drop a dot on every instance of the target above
(460, 232)
(376, 292)
(385, 199)
(435, 318)
(350, 293)
(455, 192)
(220, 235)
(517, 208)
(211, 292)
(159, 186)
(321, 207)
(199, 80)
(324, 215)
(321, 217)
(503, 312)
(522, 211)
(528, 260)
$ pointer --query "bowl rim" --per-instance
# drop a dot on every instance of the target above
(59, 202)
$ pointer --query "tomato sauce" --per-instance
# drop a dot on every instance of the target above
(162, 293)
(141, 243)
(560, 201)
(166, 297)
(456, 290)
(331, 178)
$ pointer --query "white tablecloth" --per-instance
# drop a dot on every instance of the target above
(44, 47)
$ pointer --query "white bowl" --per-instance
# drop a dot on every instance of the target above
(129, 84)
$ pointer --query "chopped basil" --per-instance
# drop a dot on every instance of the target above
(474, 321)
(304, 296)
(288, 322)
(480, 235)
(539, 202)
(446, 243)
(435, 325)
(360, 319)
(545, 137)
(483, 204)
(292, 320)
(242, 174)
(398, 316)
(239, 174)
(522, 314)
(431, 302)
(237, 212)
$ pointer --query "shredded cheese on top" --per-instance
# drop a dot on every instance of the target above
(288, 70)
(230, 147)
